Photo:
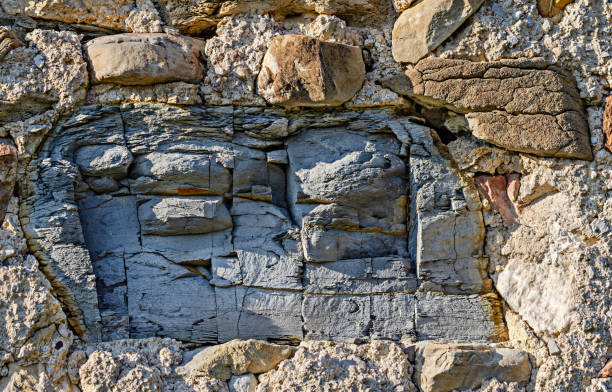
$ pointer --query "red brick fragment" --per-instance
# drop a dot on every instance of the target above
(501, 191)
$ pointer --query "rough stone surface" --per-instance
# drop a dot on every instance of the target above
(518, 105)
(314, 240)
(423, 27)
(8, 173)
(237, 358)
(379, 365)
(140, 59)
(303, 71)
(449, 367)
(607, 123)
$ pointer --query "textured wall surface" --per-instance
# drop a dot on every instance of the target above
(305, 195)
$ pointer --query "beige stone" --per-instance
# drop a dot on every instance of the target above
(303, 71)
(443, 367)
(607, 123)
(99, 373)
(520, 105)
(401, 5)
(422, 28)
(8, 41)
(237, 357)
(141, 59)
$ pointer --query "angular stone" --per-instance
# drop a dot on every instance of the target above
(607, 123)
(179, 174)
(459, 318)
(520, 105)
(449, 367)
(186, 215)
(139, 59)
(393, 317)
(166, 299)
(105, 160)
(336, 317)
(496, 190)
(236, 358)
(258, 313)
(606, 371)
(420, 29)
(8, 173)
(301, 71)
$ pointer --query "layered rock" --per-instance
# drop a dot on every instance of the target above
(518, 105)
(8, 173)
(302, 71)
(223, 204)
(141, 59)
(419, 30)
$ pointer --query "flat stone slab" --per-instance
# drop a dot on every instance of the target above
(520, 105)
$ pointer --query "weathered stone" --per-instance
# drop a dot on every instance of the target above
(105, 160)
(303, 71)
(418, 30)
(497, 191)
(110, 15)
(8, 173)
(550, 8)
(237, 358)
(479, 316)
(607, 123)
(606, 371)
(520, 105)
(401, 5)
(8, 41)
(448, 367)
(379, 366)
(186, 215)
(140, 59)
(99, 373)
(244, 383)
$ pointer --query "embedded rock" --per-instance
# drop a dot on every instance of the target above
(606, 371)
(8, 173)
(8, 41)
(110, 15)
(498, 192)
(607, 123)
(550, 8)
(401, 5)
(237, 358)
(301, 71)
(244, 383)
(520, 105)
(106, 160)
(448, 367)
(422, 28)
(141, 59)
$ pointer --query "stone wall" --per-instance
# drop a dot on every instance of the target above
(304, 195)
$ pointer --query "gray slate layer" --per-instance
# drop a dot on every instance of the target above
(206, 224)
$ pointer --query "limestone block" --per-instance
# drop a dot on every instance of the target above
(393, 317)
(419, 29)
(105, 160)
(459, 318)
(336, 317)
(193, 247)
(186, 215)
(237, 357)
(166, 299)
(448, 367)
(301, 71)
(140, 59)
(258, 313)
(180, 174)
